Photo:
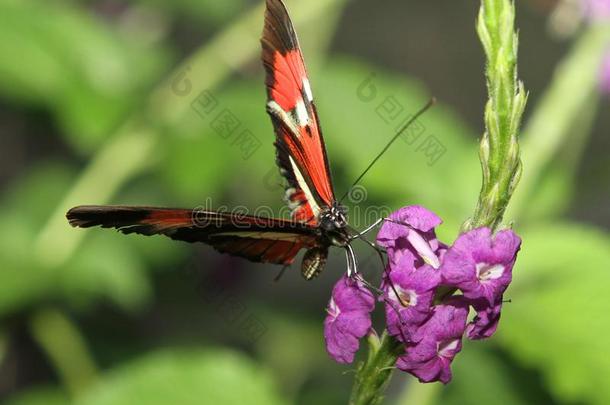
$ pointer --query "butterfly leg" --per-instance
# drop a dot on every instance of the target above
(352, 264)
(385, 268)
(280, 274)
(359, 235)
(368, 229)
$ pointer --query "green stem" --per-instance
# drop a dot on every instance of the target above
(373, 376)
(499, 152)
(65, 346)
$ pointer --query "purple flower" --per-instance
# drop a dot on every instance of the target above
(486, 321)
(481, 265)
(422, 272)
(596, 10)
(441, 339)
(408, 295)
(348, 319)
(604, 76)
(413, 230)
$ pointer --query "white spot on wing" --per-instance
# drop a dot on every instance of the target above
(307, 89)
(301, 113)
(283, 116)
(288, 198)
(303, 185)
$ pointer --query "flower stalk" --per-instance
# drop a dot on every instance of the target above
(499, 151)
(501, 166)
(373, 375)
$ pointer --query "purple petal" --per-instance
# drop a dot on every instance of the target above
(402, 259)
(348, 319)
(485, 323)
(426, 371)
(352, 295)
(415, 216)
(506, 244)
(406, 311)
(441, 339)
(425, 362)
(448, 321)
(414, 233)
(481, 265)
(342, 335)
(418, 217)
(425, 278)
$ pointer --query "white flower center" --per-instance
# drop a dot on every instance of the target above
(423, 249)
(486, 272)
(446, 348)
(333, 310)
(406, 298)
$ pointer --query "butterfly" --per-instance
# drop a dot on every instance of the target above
(318, 220)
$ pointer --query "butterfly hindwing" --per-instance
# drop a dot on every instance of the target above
(255, 238)
(301, 154)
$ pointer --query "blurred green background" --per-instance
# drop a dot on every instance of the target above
(96, 107)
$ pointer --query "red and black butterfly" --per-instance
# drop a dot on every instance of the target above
(318, 219)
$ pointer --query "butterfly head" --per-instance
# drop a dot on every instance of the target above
(334, 218)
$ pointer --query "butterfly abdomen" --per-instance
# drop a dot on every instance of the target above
(314, 262)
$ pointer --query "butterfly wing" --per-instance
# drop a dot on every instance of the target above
(300, 150)
(258, 239)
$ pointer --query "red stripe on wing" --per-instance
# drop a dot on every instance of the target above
(288, 74)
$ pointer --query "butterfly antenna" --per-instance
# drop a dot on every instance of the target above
(400, 132)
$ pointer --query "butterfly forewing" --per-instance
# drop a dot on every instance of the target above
(300, 149)
(258, 239)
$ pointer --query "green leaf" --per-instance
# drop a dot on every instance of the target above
(74, 65)
(186, 377)
(106, 265)
(558, 319)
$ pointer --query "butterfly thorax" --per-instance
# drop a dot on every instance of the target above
(333, 223)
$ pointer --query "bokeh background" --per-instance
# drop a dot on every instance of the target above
(99, 104)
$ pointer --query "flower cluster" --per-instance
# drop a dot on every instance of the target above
(428, 289)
